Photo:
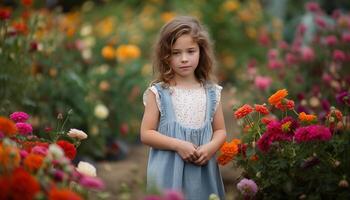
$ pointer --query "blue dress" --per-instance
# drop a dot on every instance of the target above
(167, 170)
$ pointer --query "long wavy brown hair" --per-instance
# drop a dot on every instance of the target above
(168, 35)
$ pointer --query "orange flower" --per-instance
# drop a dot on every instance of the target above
(62, 194)
(254, 157)
(7, 126)
(129, 51)
(27, 2)
(108, 52)
(243, 111)
(278, 96)
(9, 156)
(33, 162)
(224, 159)
(21, 27)
(306, 118)
(261, 109)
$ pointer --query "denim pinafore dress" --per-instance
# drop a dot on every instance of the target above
(167, 170)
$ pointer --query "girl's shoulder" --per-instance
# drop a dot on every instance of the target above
(213, 86)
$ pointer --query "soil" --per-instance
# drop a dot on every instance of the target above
(125, 179)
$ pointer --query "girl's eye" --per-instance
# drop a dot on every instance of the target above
(175, 53)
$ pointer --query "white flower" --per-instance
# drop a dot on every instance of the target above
(213, 197)
(86, 169)
(75, 133)
(101, 111)
(55, 151)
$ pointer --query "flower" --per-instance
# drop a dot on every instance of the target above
(312, 133)
(23, 186)
(33, 162)
(5, 13)
(24, 128)
(61, 194)
(247, 187)
(261, 109)
(7, 127)
(19, 117)
(68, 148)
(228, 151)
(101, 111)
(173, 195)
(262, 82)
(75, 133)
(108, 52)
(306, 118)
(278, 96)
(126, 52)
(91, 182)
(343, 98)
(243, 111)
(9, 156)
(86, 169)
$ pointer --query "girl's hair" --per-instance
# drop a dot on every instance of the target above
(169, 33)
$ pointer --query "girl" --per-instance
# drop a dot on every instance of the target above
(183, 121)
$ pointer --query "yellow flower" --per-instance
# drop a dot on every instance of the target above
(108, 52)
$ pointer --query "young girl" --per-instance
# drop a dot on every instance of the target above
(183, 121)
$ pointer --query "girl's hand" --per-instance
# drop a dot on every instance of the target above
(205, 153)
(187, 151)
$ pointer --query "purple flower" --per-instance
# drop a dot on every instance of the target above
(58, 175)
(247, 187)
(173, 195)
(24, 128)
(312, 133)
(19, 117)
(343, 98)
(91, 182)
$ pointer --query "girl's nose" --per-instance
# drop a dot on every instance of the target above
(184, 58)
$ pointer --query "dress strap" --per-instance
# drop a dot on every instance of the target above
(165, 102)
(211, 102)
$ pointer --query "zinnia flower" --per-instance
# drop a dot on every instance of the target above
(68, 148)
(19, 117)
(306, 118)
(262, 82)
(9, 156)
(86, 169)
(261, 109)
(24, 128)
(7, 126)
(173, 195)
(75, 133)
(23, 186)
(243, 111)
(278, 96)
(33, 162)
(343, 98)
(312, 133)
(91, 182)
(247, 187)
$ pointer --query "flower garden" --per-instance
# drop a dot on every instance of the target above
(72, 76)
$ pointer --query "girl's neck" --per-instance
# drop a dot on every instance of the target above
(188, 82)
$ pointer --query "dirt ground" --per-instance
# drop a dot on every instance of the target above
(125, 179)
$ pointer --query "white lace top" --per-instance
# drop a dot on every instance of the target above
(186, 102)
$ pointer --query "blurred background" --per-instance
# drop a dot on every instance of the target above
(93, 58)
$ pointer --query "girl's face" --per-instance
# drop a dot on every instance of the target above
(184, 56)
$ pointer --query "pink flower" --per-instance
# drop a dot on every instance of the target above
(312, 133)
(331, 40)
(263, 82)
(327, 78)
(23, 154)
(24, 128)
(339, 55)
(283, 45)
(247, 187)
(290, 59)
(19, 117)
(275, 64)
(307, 54)
(312, 7)
(41, 150)
(320, 22)
(91, 182)
(272, 54)
(345, 37)
(301, 29)
(173, 195)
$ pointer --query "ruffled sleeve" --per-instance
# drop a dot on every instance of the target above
(218, 89)
(155, 91)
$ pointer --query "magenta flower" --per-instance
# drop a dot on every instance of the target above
(275, 64)
(91, 182)
(19, 117)
(247, 187)
(343, 98)
(173, 195)
(345, 37)
(23, 154)
(339, 55)
(24, 128)
(272, 54)
(312, 6)
(2, 135)
(152, 197)
(58, 175)
(262, 82)
(320, 22)
(312, 133)
(331, 40)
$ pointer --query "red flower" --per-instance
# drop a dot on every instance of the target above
(4, 187)
(261, 109)
(285, 105)
(243, 111)
(20, 27)
(23, 186)
(5, 13)
(33, 161)
(27, 2)
(68, 148)
(7, 126)
(63, 194)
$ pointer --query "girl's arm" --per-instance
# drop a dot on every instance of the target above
(206, 151)
(153, 138)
